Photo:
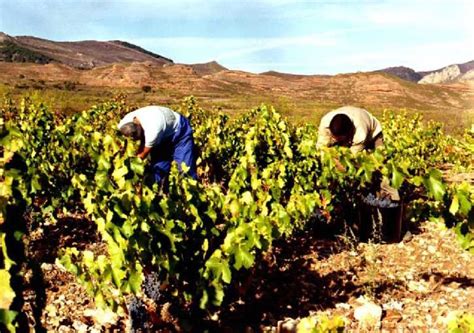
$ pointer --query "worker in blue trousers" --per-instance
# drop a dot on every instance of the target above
(164, 135)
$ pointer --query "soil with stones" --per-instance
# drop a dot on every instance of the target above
(416, 283)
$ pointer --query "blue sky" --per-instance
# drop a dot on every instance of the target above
(307, 37)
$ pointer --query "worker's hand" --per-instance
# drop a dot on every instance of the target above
(339, 165)
(143, 153)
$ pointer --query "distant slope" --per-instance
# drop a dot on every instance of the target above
(404, 73)
(82, 54)
(12, 52)
(452, 73)
(364, 89)
(118, 64)
(468, 76)
(444, 75)
(466, 67)
(289, 75)
(447, 74)
(208, 68)
(142, 50)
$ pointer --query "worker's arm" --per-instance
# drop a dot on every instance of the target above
(143, 152)
(324, 137)
(359, 140)
(356, 148)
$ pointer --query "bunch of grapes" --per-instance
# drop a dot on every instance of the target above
(151, 286)
(139, 321)
(373, 201)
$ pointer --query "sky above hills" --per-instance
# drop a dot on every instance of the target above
(307, 37)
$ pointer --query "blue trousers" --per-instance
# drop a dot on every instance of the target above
(179, 148)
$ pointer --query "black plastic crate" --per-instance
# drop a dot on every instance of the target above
(380, 220)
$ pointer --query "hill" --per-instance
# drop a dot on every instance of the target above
(82, 54)
(208, 68)
(76, 74)
(370, 90)
(447, 74)
(403, 72)
(452, 73)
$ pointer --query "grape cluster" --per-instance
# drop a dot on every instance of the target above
(139, 321)
(373, 201)
(318, 214)
(151, 286)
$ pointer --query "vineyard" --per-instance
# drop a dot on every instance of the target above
(190, 247)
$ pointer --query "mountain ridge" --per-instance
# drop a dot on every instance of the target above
(86, 54)
(89, 54)
(212, 81)
(446, 74)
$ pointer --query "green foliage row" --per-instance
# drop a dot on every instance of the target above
(260, 179)
(13, 183)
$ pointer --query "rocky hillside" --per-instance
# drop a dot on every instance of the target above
(208, 68)
(364, 89)
(93, 54)
(34, 63)
(82, 54)
(448, 74)
(452, 73)
(403, 72)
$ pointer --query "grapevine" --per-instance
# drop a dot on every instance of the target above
(260, 179)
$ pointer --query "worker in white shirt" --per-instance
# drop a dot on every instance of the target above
(356, 129)
(351, 127)
(165, 135)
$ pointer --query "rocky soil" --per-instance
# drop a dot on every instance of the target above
(414, 285)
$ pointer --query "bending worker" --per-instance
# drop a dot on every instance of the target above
(356, 129)
(350, 127)
(165, 135)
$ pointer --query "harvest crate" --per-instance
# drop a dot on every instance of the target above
(381, 224)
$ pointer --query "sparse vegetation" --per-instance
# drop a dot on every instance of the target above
(70, 86)
(12, 52)
(146, 88)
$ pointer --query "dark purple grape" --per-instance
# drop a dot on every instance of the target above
(373, 201)
(139, 321)
(151, 286)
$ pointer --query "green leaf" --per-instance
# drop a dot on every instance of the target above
(7, 317)
(417, 180)
(103, 164)
(226, 274)
(247, 198)
(466, 204)
(102, 180)
(204, 300)
(434, 185)
(35, 184)
(135, 281)
(137, 166)
(119, 175)
(453, 209)
(243, 258)
(397, 178)
(218, 296)
(8, 294)
(118, 275)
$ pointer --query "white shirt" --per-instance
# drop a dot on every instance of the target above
(367, 127)
(158, 123)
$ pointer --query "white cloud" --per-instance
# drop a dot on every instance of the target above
(230, 48)
(421, 57)
(263, 44)
(402, 14)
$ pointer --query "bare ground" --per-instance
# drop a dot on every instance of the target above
(416, 283)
